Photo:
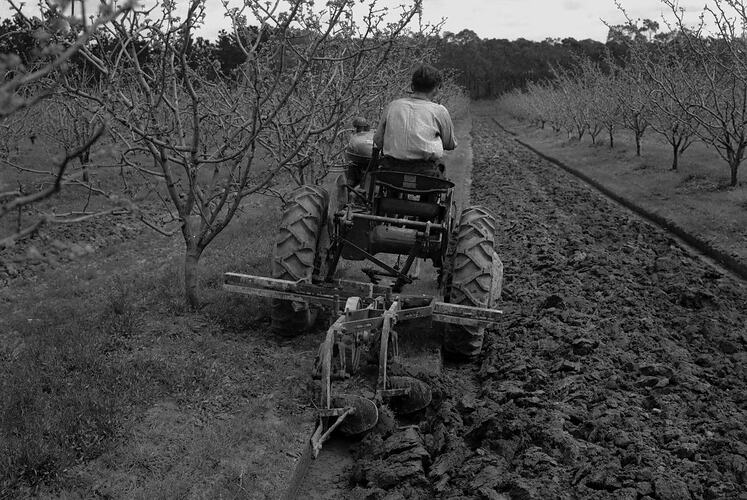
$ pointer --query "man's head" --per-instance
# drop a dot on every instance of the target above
(426, 79)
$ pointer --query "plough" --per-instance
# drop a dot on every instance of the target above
(365, 329)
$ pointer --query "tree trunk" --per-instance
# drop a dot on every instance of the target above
(191, 275)
(734, 167)
(675, 156)
(580, 131)
(85, 159)
(612, 138)
(638, 144)
(193, 251)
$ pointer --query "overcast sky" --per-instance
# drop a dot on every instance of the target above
(540, 19)
(510, 19)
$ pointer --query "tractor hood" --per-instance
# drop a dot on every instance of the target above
(360, 146)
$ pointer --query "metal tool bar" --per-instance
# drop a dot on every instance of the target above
(367, 290)
(415, 224)
(275, 294)
(362, 325)
(414, 313)
(248, 280)
(326, 293)
(456, 320)
(485, 317)
(477, 313)
(367, 313)
(334, 287)
(331, 295)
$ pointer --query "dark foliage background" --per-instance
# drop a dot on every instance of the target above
(486, 67)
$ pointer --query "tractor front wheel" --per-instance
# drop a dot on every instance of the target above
(296, 255)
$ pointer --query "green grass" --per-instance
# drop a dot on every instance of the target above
(63, 394)
(87, 353)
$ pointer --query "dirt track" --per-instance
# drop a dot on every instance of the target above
(620, 370)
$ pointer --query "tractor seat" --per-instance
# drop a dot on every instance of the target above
(396, 190)
(409, 183)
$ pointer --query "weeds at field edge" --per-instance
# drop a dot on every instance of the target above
(86, 355)
(63, 395)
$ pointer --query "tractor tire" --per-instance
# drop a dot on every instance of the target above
(474, 279)
(296, 255)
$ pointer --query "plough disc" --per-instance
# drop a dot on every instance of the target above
(417, 396)
(364, 417)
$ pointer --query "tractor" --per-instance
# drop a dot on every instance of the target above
(426, 266)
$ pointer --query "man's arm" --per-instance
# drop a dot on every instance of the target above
(378, 137)
(448, 138)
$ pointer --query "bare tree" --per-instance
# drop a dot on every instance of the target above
(552, 100)
(634, 101)
(606, 105)
(211, 140)
(537, 104)
(706, 77)
(572, 99)
(600, 108)
(531, 104)
(668, 118)
(25, 86)
(63, 124)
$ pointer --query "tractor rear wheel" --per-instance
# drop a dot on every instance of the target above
(475, 278)
(296, 255)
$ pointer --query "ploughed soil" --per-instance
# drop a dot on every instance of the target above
(619, 370)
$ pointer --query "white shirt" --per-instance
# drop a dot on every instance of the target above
(413, 128)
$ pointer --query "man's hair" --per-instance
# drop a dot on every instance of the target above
(425, 78)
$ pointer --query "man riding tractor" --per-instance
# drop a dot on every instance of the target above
(414, 131)
(405, 209)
